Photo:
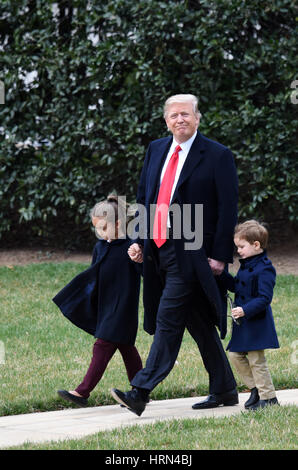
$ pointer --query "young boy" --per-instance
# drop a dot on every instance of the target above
(255, 329)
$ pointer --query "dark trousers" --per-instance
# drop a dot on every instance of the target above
(175, 313)
(102, 354)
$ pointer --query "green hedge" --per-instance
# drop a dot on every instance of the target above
(100, 72)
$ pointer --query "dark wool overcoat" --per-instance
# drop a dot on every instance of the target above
(253, 287)
(103, 300)
(209, 178)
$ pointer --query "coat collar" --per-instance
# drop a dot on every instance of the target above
(252, 260)
(118, 241)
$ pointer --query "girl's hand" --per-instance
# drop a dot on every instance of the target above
(237, 312)
(135, 252)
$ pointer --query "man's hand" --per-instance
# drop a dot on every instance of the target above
(135, 252)
(217, 267)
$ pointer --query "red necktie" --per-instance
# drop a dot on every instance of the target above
(163, 200)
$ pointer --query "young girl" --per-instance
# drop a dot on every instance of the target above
(254, 329)
(103, 300)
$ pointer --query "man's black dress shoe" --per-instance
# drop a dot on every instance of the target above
(73, 398)
(215, 400)
(263, 403)
(253, 399)
(147, 401)
(132, 400)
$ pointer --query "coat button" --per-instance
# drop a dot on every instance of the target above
(243, 283)
(250, 270)
(149, 258)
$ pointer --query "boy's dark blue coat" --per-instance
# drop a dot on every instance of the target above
(103, 300)
(253, 287)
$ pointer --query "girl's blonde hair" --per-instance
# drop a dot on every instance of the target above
(113, 208)
(252, 231)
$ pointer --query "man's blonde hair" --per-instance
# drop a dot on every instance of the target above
(252, 231)
(182, 98)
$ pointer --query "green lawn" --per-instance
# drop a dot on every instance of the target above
(45, 352)
(272, 429)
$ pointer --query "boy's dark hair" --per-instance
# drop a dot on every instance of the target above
(252, 231)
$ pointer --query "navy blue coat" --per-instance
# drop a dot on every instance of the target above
(208, 177)
(253, 287)
(103, 300)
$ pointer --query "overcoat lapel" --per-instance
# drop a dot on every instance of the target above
(194, 157)
(159, 159)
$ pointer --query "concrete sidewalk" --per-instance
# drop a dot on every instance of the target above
(76, 423)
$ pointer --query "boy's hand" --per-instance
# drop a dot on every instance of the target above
(135, 252)
(237, 312)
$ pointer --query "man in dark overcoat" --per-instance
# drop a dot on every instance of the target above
(180, 289)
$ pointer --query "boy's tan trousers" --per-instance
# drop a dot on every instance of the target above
(253, 370)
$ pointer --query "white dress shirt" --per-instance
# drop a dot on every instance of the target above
(185, 148)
